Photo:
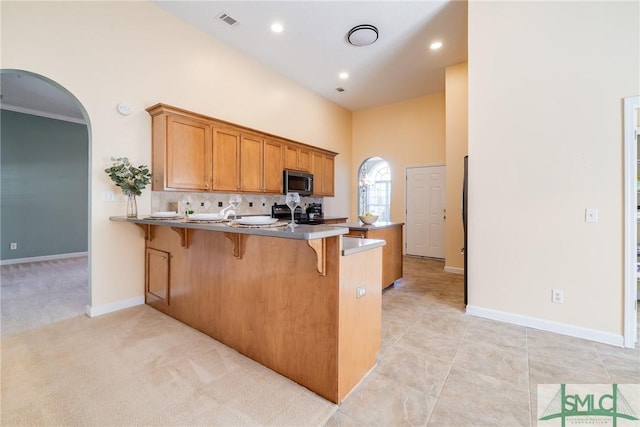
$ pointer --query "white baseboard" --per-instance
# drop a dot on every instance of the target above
(548, 325)
(114, 306)
(456, 270)
(43, 258)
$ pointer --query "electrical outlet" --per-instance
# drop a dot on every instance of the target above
(591, 215)
(219, 204)
(13, 246)
(557, 296)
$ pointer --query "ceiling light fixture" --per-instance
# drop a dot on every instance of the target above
(343, 75)
(362, 35)
(436, 45)
(277, 27)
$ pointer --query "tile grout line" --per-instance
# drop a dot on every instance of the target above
(526, 336)
(604, 365)
(446, 379)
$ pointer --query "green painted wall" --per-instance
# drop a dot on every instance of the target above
(44, 186)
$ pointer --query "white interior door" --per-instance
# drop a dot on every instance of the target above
(425, 214)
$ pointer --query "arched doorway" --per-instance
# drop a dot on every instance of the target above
(374, 188)
(45, 221)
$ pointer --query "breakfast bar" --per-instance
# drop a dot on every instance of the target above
(303, 302)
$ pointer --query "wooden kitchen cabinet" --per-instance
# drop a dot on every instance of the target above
(181, 154)
(273, 164)
(226, 164)
(251, 163)
(260, 165)
(297, 158)
(157, 277)
(193, 152)
(322, 168)
(317, 169)
(328, 178)
(391, 252)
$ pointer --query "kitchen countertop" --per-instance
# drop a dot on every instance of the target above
(353, 245)
(332, 218)
(360, 226)
(301, 232)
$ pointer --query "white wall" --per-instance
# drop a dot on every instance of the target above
(546, 82)
(134, 52)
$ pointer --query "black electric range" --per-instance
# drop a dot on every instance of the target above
(284, 213)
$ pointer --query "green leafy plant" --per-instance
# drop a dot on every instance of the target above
(131, 179)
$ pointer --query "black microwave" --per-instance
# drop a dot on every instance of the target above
(297, 182)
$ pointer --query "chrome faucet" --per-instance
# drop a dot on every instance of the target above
(225, 212)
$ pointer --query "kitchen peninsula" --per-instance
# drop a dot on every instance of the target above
(304, 302)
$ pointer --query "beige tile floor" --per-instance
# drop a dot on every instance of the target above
(437, 366)
(440, 367)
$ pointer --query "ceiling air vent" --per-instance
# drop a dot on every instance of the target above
(227, 19)
(340, 89)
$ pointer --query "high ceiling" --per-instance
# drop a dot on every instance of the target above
(311, 50)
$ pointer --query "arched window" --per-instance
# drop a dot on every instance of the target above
(374, 188)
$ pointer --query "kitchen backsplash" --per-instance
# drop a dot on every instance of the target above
(252, 204)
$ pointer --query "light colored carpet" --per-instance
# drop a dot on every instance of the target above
(39, 293)
(135, 367)
(140, 367)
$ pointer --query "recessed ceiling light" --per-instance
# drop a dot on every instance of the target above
(343, 75)
(436, 45)
(362, 35)
(277, 27)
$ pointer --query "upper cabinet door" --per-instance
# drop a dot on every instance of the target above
(273, 167)
(328, 182)
(226, 165)
(317, 165)
(297, 158)
(304, 159)
(322, 168)
(251, 163)
(290, 157)
(188, 157)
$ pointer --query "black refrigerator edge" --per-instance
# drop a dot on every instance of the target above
(465, 213)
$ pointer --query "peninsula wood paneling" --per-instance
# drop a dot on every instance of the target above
(360, 318)
(275, 309)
